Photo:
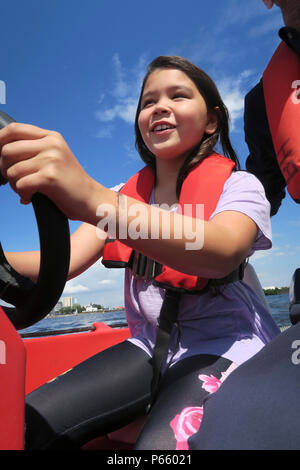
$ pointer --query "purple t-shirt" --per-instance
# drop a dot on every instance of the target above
(234, 324)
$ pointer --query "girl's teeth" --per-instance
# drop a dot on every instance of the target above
(162, 127)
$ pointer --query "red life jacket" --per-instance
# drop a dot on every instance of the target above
(283, 111)
(203, 185)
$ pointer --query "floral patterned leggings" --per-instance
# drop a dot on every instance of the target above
(111, 389)
(178, 410)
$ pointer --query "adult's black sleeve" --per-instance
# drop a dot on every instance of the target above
(262, 161)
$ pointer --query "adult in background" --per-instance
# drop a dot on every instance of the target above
(258, 406)
(264, 161)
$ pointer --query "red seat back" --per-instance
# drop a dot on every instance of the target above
(12, 386)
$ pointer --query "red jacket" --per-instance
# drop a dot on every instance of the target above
(281, 83)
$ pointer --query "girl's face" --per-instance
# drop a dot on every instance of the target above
(173, 116)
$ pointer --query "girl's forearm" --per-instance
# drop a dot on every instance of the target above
(180, 242)
(26, 263)
(86, 249)
(203, 255)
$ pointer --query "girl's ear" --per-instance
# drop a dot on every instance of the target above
(212, 121)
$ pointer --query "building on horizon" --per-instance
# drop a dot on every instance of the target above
(90, 308)
(67, 301)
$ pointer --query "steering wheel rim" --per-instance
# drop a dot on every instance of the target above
(33, 301)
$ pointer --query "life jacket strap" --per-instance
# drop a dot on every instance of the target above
(143, 267)
(236, 275)
(168, 319)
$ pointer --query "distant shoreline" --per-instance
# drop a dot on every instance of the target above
(276, 290)
(53, 315)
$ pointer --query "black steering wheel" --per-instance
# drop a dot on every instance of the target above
(34, 301)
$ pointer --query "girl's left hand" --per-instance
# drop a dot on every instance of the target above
(39, 160)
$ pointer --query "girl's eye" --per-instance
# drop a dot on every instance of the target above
(147, 103)
(179, 95)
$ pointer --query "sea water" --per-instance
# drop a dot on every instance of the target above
(278, 304)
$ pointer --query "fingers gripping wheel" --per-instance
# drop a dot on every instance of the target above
(4, 120)
(34, 301)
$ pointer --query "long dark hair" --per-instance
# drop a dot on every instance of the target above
(213, 100)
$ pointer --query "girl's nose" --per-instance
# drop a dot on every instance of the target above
(161, 108)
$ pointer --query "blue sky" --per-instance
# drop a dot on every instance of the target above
(76, 67)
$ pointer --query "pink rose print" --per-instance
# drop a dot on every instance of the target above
(189, 420)
(211, 383)
(185, 425)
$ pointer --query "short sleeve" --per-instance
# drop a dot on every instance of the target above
(243, 192)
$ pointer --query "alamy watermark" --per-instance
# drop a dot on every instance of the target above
(163, 222)
(295, 96)
(296, 354)
(2, 92)
(2, 352)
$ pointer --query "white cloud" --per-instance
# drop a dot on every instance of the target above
(260, 255)
(121, 87)
(233, 99)
(98, 285)
(125, 109)
(107, 282)
(274, 251)
(105, 131)
(69, 289)
(121, 101)
(232, 90)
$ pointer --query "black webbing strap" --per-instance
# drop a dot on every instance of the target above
(167, 320)
(169, 317)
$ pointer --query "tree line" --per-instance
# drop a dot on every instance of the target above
(77, 308)
(276, 291)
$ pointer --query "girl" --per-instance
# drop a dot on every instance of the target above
(220, 322)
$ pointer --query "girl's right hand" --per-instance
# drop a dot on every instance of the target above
(39, 160)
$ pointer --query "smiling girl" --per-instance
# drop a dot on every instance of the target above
(191, 317)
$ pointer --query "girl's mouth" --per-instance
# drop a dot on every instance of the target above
(162, 129)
